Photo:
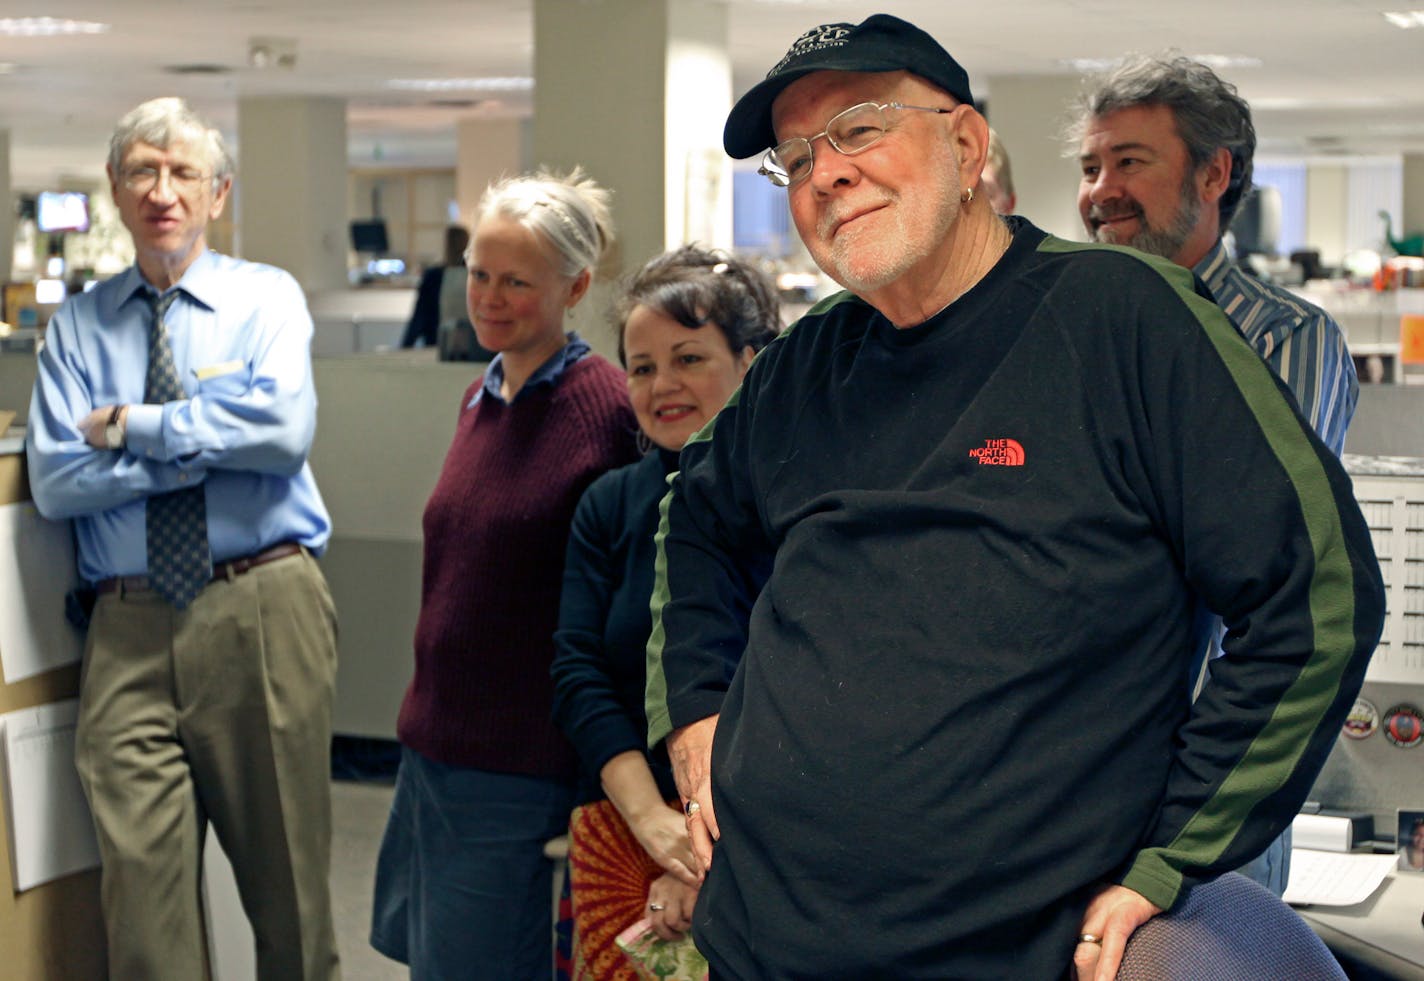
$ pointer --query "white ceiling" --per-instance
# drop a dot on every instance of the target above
(1335, 76)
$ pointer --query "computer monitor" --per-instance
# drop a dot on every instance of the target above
(62, 211)
(369, 235)
(378, 268)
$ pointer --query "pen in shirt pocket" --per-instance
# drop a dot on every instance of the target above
(217, 370)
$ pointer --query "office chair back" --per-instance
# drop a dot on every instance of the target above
(456, 341)
(1230, 929)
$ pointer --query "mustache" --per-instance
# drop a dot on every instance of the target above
(1097, 212)
(839, 211)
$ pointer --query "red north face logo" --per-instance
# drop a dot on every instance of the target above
(999, 453)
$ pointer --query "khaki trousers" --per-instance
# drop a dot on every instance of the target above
(222, 713)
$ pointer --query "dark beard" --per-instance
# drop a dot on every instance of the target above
(1165, 242)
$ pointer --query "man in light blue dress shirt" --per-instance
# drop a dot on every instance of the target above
(1166, 151)
(218, 709)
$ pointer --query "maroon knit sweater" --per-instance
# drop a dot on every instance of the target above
(496, 527)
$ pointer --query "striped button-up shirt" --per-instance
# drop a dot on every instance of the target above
(1300, 341)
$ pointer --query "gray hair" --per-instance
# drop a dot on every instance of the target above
(1208, 113)
(163, 122)
(998, 158)
(570, 211)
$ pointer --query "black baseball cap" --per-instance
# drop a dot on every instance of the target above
(880, 43)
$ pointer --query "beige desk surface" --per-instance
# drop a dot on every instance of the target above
(1384, 932)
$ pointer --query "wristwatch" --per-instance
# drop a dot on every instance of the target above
(114, 430)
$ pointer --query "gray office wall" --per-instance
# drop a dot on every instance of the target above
(1389, 421)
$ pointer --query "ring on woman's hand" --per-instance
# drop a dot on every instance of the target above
(656, 907)
(1090, 938)
(691, 808)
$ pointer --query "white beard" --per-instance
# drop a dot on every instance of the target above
(897, 237)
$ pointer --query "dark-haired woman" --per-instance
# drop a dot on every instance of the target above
(689, 323)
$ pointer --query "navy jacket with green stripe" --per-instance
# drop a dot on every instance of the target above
(960, 701)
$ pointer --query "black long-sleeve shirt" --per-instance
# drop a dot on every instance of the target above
(599, 667)
(960, 702)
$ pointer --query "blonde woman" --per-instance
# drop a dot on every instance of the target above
(462, 885)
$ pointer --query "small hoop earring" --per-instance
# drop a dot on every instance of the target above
(644, 443)
(967, 196)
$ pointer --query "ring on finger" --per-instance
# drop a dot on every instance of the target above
(656, 907)
(691, 808)
(1090, 938)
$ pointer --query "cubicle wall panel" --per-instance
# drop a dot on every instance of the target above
(53, 932)
(376, 586)
(1394, 510)
(383, 427)
(17, 379)
(1372, 774)
(1388, 421)
(385, 424)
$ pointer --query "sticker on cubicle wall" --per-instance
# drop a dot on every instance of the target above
(1362, 721)
(1404, 726)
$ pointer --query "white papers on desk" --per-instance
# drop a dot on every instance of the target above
(1333, 878)
(36, 570)
(51, 831)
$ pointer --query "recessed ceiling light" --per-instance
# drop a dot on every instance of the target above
(1405, 19)
(1220, 61)
(1268, 103)
(1397, 129)
(1217, 61)
(1088, 64)
(514, 84)
(48, 26)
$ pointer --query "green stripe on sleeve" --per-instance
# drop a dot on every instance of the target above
(659, 719)
(659, 722)
(1275, 752)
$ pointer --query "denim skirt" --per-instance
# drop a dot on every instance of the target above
(463, 889)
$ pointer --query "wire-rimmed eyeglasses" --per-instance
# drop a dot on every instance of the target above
(849, 132)
(184, 180)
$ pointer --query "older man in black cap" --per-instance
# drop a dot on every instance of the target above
(953, 734)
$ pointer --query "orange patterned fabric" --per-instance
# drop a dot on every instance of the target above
(609, 875)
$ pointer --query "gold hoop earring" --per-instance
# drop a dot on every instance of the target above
(967, 196)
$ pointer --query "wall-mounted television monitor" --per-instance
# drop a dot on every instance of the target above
(62, 211)
(369, 235)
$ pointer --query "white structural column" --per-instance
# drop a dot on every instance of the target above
(1327, 189)
(1029, 112)
(637, 91)
(7, 211)
(485, 151)
(1413, 218)
(291, 187)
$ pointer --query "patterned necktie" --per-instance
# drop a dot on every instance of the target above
(179, 563)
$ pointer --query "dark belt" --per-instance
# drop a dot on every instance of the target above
(230, 569)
